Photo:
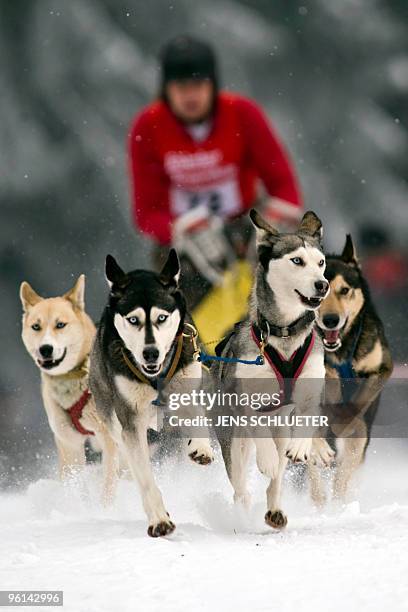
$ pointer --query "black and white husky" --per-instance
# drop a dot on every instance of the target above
(139, 347)
(289, 287)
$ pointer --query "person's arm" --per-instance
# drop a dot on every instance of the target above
(272, 164)
(149, 183)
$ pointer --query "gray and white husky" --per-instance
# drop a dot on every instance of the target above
(289, 287)
(139, 346)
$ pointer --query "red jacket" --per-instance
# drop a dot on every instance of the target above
(170, 171)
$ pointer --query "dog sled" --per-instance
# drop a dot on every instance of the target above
(224, 304)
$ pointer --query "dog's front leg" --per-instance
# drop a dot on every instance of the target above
(110, 464)
(267, 456)
(274, 516)
(236, 454)
(199, 449)
(299, 447)
(71, 457)
(317, 490)
(350, 457)
(134, 438)
(307, 402)
(69, 443)
(110, 454)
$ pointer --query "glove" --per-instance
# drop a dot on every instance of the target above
(282, 215)
(199, 235)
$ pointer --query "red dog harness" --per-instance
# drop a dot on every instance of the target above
(286, 370)
(75, 412)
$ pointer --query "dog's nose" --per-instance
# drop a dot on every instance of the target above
(46, 350)
(331, 320)
(321, 286)
(150, 354)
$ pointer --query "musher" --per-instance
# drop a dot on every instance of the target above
(196, 155)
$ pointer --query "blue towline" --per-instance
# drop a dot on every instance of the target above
(203, 357)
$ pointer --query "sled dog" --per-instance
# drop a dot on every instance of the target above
(140, 347)
(58, 335)
(355, 350)
(289, 288)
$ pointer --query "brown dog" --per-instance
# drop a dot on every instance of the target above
(358, 363)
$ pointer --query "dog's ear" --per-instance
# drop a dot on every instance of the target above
(311, 225)
(28, 296)
(114, 273)
(349, 254)
(266, 236)
(76, 295)
(170, 274)
(261, 224)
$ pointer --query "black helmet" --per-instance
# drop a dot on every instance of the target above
(185, 57)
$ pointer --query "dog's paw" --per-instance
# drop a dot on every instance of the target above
(322, 453)
(200, 451)
(267, 457)
(160, 529)
(276, 519)
(299, 449)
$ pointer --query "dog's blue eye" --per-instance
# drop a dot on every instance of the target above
(321, 263)
(298, 261)
(36, 327)
(162, 318)
(60, 325)
(133, 320)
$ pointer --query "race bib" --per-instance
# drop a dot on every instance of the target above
(223, 200)
(202, 178)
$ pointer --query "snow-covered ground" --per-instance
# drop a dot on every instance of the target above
(349, 558)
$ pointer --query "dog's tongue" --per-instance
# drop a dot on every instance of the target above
(331, 335)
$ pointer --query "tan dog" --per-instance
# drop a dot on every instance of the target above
(58, 334)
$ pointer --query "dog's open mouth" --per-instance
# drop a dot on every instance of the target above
(331, 339)
(49, 364)
(151, 369)
(313, 302)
